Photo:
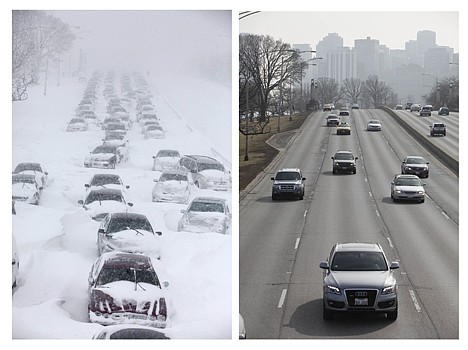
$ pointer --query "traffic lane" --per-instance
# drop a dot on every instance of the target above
(424, 236)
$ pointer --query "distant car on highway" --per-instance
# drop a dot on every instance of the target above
(374, 125)
(443, 111)
(408, 105)
(399, 107)
(438, 129)
(415, 107)
(344, 161)
(343, 128)
(165, 159)
(415, 165)
(344, 111)
(407, 187)
(358, 277)
(425, 110)
(327, 108)
(355, 106)
(333, 119)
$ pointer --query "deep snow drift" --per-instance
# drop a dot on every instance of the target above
(57, 240)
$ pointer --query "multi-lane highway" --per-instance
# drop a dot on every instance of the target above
(282, 242)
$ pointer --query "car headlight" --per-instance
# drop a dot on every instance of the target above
(397, 191)
(389, 290)
(333, 290)
(407, 167)
(275, 185)
(420, 192)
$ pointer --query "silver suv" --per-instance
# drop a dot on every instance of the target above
(358, 277)
(288, 182)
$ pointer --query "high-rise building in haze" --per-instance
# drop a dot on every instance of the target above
(331, 42)
(367, 57)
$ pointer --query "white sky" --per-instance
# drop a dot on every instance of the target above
(392, 29)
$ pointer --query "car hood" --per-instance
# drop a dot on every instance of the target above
(409, 188)
(96, 208)
(373, 124)
(214, 174)
(171, 186)
(361, 279)
(132, 241)
(416, 165)
(23, 190)
(101, 156)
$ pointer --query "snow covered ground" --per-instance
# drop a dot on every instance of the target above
(57, 240)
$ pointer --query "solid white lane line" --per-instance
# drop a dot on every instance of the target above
(282, 298)
(446, 216)
(389, 242)
(305, 213)
(298, 239)
(415, 301)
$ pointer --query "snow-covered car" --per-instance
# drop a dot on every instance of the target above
(26, 189)
(100, 202)
(14, 261)
(124, 288)
(145, 124)
(127, 331)
(106, 156)
(36, 169)
(206, 172)
(108, 120)
(206, 214)
(89, 116)
(106, 181)
(125, 119)
(374, 125)
(127, 232)
(147, 116)
(154, 132)
(116, 127)
(115, 139)
(343, 128)
(77, 124)
(165, 159)
(172, 186)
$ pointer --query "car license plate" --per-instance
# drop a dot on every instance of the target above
(360, 302)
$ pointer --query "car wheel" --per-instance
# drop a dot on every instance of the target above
(327, 314)
(273, 197)
(423, 200)
(392, 316)
(354, 171)
(334, 171)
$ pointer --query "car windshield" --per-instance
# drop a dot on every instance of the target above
(109, 275)
(206, 207)
(359, 261)
(210, 166)
(101, 180)
(415, 161)
(27, 166)
(374, 122)
(172, 177)
(344, 156)
(104, 149)
(76, 121)
(439, 125)
(106, 196)
(408, 181)
(168, 153)
(288, 175)
(116, 127)
(130, 222)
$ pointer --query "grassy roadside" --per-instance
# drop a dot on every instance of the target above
(259, 152)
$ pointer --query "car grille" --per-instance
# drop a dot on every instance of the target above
(370, 294)
(286, 187)
(344, 165)
(409, 193)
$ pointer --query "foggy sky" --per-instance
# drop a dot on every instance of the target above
(164, 41)
(392, 29)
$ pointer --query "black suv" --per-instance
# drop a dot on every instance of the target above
(288, 182)
(344, 161)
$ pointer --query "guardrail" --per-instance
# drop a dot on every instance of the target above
(442, 156)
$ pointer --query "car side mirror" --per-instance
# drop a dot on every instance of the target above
(303, 178)
(424, 184)
(392, 183)
(332, 157)
(101, 230)
(90, 280)
(165, 284)
(324, 265)
(154, 157)
(394, 265)
(127, 187)
(183, 211)
(87, 186)
(41, 188)
(355, 158)
(80, 201)
(130, 204)
(273, 178)
(46, 173)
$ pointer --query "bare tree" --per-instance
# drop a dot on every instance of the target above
(378, 92)
(351, 89)
(328, 90)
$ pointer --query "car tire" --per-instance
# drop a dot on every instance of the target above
(273, 197)
(422, 200)
(393, 315)
(334, 171)
(354, 171)
(327, 314)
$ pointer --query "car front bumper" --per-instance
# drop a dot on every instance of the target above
(347, 303)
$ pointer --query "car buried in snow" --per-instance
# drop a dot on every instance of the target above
(206, 214)
(207, 172)
(100, 202)
(172, 186)
(106, 156)
(124, 288)
(26, 189)
(77, 124)
(154, 131)
(126, 331)
(98, 181)
(115, 139)
(165, 159)
(36, 169)
(127, 232)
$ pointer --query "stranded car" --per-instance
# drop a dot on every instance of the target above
(415, 165)
(358, 277)
(126, 232)
(35, 169)
(407, 187)
(288, 182)
(206, 214)
(374, 125)
(343, 128)
(172, 186)
(106, 156)
(126, 331)
(207, 172)
(344, 161)
(106, 181)
(77, 124)
(333, 119)
(438, 129)
(154, 131)
(124, 288)
(26, 189)
(100, 202)
(165, 159)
